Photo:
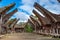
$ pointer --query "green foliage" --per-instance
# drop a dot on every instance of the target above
(28, 28)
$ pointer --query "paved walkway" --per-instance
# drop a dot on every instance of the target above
(26, 36)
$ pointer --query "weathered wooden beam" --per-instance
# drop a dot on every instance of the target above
(7, 16)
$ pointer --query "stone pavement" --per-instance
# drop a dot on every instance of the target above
(26, 36)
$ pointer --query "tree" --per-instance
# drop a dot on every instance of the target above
(28, 28)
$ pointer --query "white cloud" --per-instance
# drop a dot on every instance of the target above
(28, 5)
(54, 8)
(47, 2)
(22, 16)
(28, 2)
(26, 8)
(51, 5)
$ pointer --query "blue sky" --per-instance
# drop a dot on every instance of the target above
(25, 7)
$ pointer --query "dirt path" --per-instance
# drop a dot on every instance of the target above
(26, 36)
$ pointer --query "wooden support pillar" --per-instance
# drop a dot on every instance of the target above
(35, 27)
(57, 30)
(53, 30)
(50, 31)
(0, 24)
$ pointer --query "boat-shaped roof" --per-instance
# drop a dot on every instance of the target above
(48, 14)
